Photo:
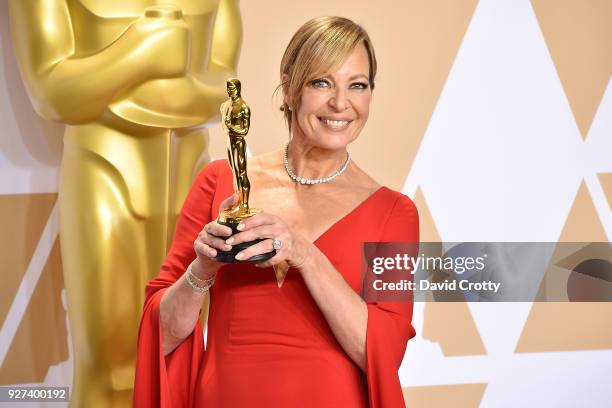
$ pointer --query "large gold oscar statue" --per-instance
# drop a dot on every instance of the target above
(134, 80)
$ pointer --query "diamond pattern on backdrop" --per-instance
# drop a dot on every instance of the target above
(605, 179)
(578, 34)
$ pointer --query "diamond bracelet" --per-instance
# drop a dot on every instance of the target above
(197, 284)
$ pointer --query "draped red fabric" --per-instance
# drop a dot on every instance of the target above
(270, 346)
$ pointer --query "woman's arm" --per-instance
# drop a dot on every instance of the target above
(179, 309)
(345, 311)
(347, 314)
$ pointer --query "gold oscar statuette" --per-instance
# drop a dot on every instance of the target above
(236, 120)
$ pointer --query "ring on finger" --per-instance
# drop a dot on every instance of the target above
(277, 244)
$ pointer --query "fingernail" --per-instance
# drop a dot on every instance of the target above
(212, 252)
(240, 256)
(229, 241)
(240, 226)
(228, 247)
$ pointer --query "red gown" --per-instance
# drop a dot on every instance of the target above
(270, 346)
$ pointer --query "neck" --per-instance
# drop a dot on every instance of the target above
(313, 162)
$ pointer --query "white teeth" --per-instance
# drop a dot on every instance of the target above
(336, 123)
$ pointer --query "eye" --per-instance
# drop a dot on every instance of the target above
(360, 85)
(320, 83)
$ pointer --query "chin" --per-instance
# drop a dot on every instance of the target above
(336, 141)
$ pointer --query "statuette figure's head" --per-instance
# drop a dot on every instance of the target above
(233, 87)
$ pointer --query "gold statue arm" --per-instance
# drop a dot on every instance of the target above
(72, 89)
(198, 94)
(243, 128)
(223, 59)
(226, 39)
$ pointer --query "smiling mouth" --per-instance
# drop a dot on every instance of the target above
(335, 124)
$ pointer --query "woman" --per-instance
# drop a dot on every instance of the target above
(314, 341)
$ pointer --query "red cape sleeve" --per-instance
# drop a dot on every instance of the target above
(170, 381)
(390, 323)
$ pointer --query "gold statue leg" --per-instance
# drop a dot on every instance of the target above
(238, 162)
(242, 172)
(114, 234)
(230, 157)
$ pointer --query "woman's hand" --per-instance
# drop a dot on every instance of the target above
(209, 240)
(294, 248)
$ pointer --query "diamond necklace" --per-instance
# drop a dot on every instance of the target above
(322, 180)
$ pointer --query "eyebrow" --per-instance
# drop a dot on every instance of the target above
(352, 78)
(359, 76)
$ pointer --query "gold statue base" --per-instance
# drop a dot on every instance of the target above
(232, 218)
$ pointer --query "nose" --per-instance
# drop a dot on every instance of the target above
(339, 100)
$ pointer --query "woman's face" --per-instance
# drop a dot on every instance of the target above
(335, 107)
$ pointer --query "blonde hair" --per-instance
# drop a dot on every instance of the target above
(317, 47)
